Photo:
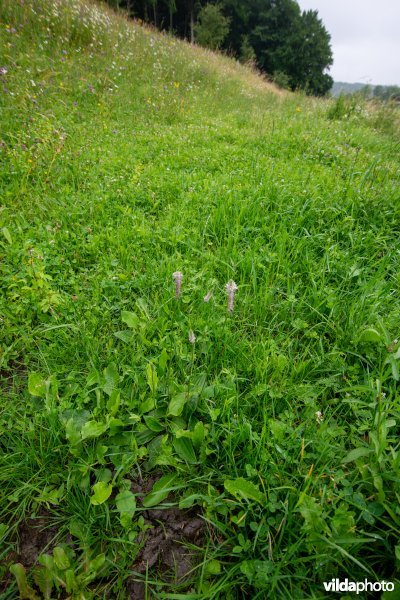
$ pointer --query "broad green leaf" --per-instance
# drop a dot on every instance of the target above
(25, 591)
(78, 529)
(176, 404)
(93, 378)
(7, 235)
(160, 490)
(212, 567)
(126, 503)
(184, 448)
(116, 425)
(72, 432)
(101, 493)
(147, 405)
(93, 429)
(125, 336)
(162, 360)
(112, 378)
(44, 580)
(241, 488)
(198, 434)
(104, 475)
(355, 454)
(96, 563)
(36, 385)
(214, 413)
(47, 561)
(114, 402)
(130, 318)
(190, 500)
(154, 424)
(370, 335)
(180, 433)
(278, 428)
(70, 580)
(152, 378)
(60, 558)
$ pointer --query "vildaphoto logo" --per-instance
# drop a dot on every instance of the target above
(335, 585)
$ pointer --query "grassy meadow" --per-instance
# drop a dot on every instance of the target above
(154, 446)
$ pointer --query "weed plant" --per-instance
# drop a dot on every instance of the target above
(127, 156)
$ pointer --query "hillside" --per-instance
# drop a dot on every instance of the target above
(151, 441)
(341, 87)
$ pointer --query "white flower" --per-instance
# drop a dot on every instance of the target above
(319, 417)
(231, 289)
(192, 337)
(177, 277)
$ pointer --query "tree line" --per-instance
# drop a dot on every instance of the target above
(291, 46)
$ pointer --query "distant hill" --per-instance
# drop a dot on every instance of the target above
(383, 92)
(346, 88)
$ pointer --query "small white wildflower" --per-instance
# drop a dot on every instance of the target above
(177, 277)
(231, 289)
(192, 337)
(319, 417)
(208, 296)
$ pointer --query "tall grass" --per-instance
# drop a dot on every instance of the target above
(127, 156)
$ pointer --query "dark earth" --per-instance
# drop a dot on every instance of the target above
(168, 546)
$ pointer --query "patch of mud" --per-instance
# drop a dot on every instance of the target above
(164, 544)
(34, 537)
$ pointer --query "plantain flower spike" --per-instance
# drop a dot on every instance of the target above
(177, 277)
(192, 337)
(231, 289)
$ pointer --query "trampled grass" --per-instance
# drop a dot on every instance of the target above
(127, 156)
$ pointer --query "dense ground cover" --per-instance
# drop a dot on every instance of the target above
(135, 426)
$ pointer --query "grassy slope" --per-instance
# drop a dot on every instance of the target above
(127, 155)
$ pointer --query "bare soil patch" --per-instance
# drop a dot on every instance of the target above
(165, 550)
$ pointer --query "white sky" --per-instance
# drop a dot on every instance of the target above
(365, 38)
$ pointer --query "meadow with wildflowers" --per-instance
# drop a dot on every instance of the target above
(199, 312)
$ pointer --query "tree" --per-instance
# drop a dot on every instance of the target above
(171, 5)
(313, 56)
(212, 26)
(247, 54)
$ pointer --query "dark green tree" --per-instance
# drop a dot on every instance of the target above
(313, 57)
(171, 5)
(212, 26)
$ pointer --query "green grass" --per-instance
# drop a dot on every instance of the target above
(127, 155)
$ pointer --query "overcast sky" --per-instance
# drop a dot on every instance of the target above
(365, 38)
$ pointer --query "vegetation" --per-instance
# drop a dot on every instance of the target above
(212, 27)
(275, 34)
(141, 421)
(386, 93)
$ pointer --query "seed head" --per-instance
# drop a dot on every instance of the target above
(177, 277)
(231, 289)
